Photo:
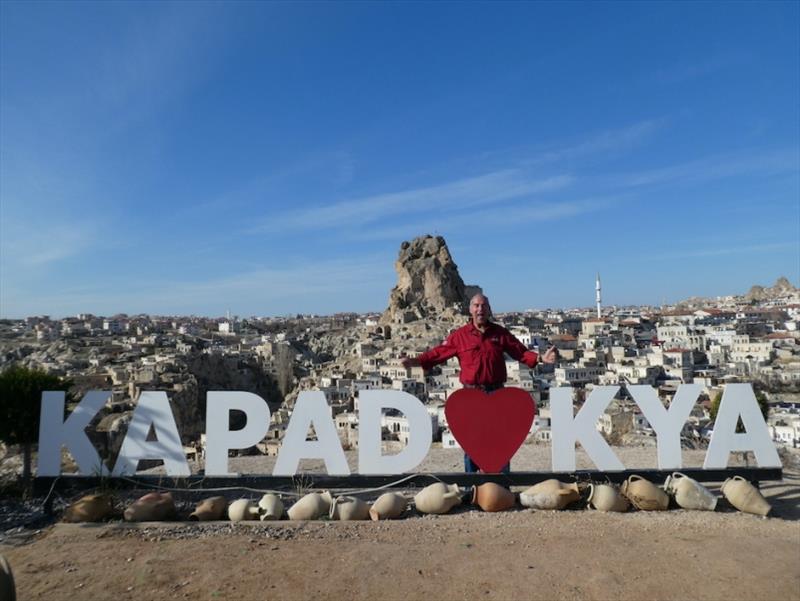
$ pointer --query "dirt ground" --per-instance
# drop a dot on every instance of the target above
(468, 554)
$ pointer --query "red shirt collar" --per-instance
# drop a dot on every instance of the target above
(489, 327)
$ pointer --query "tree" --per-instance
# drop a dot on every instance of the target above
(284, 368)
(763, 405)
(20, 407)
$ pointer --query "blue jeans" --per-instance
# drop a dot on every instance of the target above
(470, 467)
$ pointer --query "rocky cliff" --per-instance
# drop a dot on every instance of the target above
(428, 283)
(782, 287)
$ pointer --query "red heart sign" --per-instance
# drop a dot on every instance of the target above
(490, 427)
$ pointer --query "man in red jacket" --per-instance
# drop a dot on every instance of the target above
(480, 347)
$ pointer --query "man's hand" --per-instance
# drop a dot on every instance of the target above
(550, 356)
(409, 362)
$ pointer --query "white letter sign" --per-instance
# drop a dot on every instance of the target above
(738, 400)
(219, 438)
(371, 405)
(152, 411)
(566, 430)
(311, 408)
(667, 423)
(54, 433)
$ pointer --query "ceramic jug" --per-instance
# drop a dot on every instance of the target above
(549, 494)
(644, 495)
(689, 493)
(311, 507)
(388, 506)
(242, 510)
(91, 508)
(348, 509)
(437, 498)
(605, 497)
(210, 509)
(8, 591)
(492, 497)
(271, 507)
(152, 507)
(744, 496)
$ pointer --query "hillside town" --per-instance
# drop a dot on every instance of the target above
(749, 338)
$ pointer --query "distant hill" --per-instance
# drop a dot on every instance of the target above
(782, 287)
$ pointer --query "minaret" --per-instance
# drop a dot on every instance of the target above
(597, 295)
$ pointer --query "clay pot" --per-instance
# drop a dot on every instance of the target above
(549, 494)
(209, 509)
(744, 496)
(492, 497)
(437, 498)
(242, 510)
(348, 509)
(689, 493)
(8, 591)
(644, 494)
(271, 507)
(311, 507)
(605, 497)
(91, 508)
(152, 507)
(388, 506)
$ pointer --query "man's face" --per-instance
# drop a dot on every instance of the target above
(480, 310)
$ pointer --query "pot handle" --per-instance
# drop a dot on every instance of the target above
(677, 475)
(634, 478)
(591, 493)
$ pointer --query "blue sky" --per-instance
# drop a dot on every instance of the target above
(269, 158)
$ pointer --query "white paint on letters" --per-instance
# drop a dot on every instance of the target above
(667, 423)
(220, 439)
(152, 411)
(54, 433)
(566, 430)
(739, 400)
(311, 408)
(371, 405)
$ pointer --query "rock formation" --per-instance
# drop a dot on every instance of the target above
(428, 283)
(782, 287)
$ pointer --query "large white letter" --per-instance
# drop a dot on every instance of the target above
(420, 431)
(54, 433)
(152, 411)
(667, 423)
(566, 430)
(738, 400)
(219, 438)
(311, 408)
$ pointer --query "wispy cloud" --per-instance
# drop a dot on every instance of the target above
(472, 192)
(44, 244)
(500, 215)
(730, 250)
(274, 290)
(608, 141)
(698, 68)
(771, 162)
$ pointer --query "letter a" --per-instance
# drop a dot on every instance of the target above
(152, 411)
(738, 400)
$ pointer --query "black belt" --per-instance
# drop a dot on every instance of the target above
(485, 387)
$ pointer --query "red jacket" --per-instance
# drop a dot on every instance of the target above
(481, 355)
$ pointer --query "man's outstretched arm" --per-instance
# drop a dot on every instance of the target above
(435, 356)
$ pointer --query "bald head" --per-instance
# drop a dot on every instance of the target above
(480, 310)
